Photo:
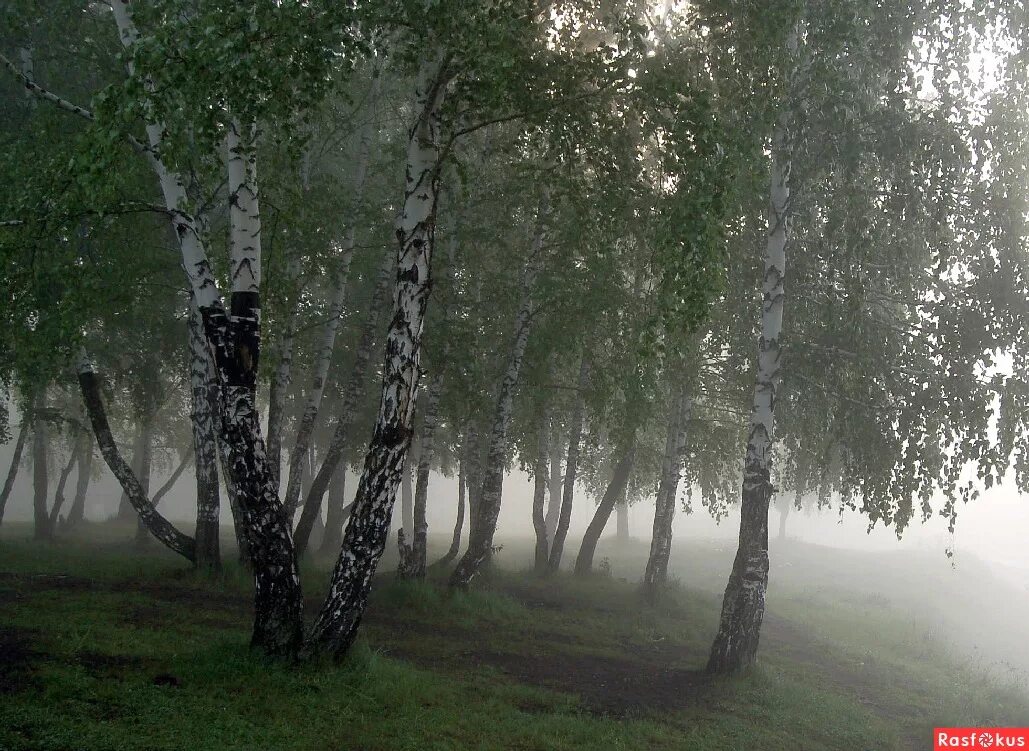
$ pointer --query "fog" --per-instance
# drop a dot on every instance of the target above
(974, 601)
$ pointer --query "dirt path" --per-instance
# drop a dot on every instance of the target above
(640, 682)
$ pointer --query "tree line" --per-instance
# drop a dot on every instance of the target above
(717, 252)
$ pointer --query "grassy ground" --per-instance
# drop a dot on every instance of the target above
(104, 647)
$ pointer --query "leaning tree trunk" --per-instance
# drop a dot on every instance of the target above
(368, 530)
(77, 512)
(203, 409)
(62, 483)
(352, 396)
(487, 510)
(455, 541)
(614, 493)
(571, 468)
(743, 607)
(554, 487)
(125, 511)
(12, 473)
(656, 574)
(159, 527)
(40, 489)
(234, 337)
(539, 492)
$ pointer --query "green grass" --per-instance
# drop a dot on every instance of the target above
(103, 647)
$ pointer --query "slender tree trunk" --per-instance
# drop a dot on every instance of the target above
(484, 517)
(622, 522)
(179, 470)
(571, 468)
(337, 513)
(352, 396)
(455, 541)
(554, 488)
(614, 493)
(203, 418)
(159, 527)
(427, 454)
(540, 479)
(743, 607)
(784, 513)
(12, 473)
(62, 483)
(77, 512)
(40, 489)
(656, 574)
(366, 534)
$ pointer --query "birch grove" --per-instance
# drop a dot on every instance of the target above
(220, 238)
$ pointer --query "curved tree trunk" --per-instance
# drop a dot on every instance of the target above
(125, 510)
(12, 473)
(352, 395)
(656, 573)
(159, 527)
(614, 493)
(539, 491)
(571, 468)
(455, 541)
(487, 510)
(77, 512)
(366, 534)
(743, 607)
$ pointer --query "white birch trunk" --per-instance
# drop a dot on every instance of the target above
(368, 529)
(735, 646)
(235, 342)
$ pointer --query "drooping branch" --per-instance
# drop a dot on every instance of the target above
(45, 94)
